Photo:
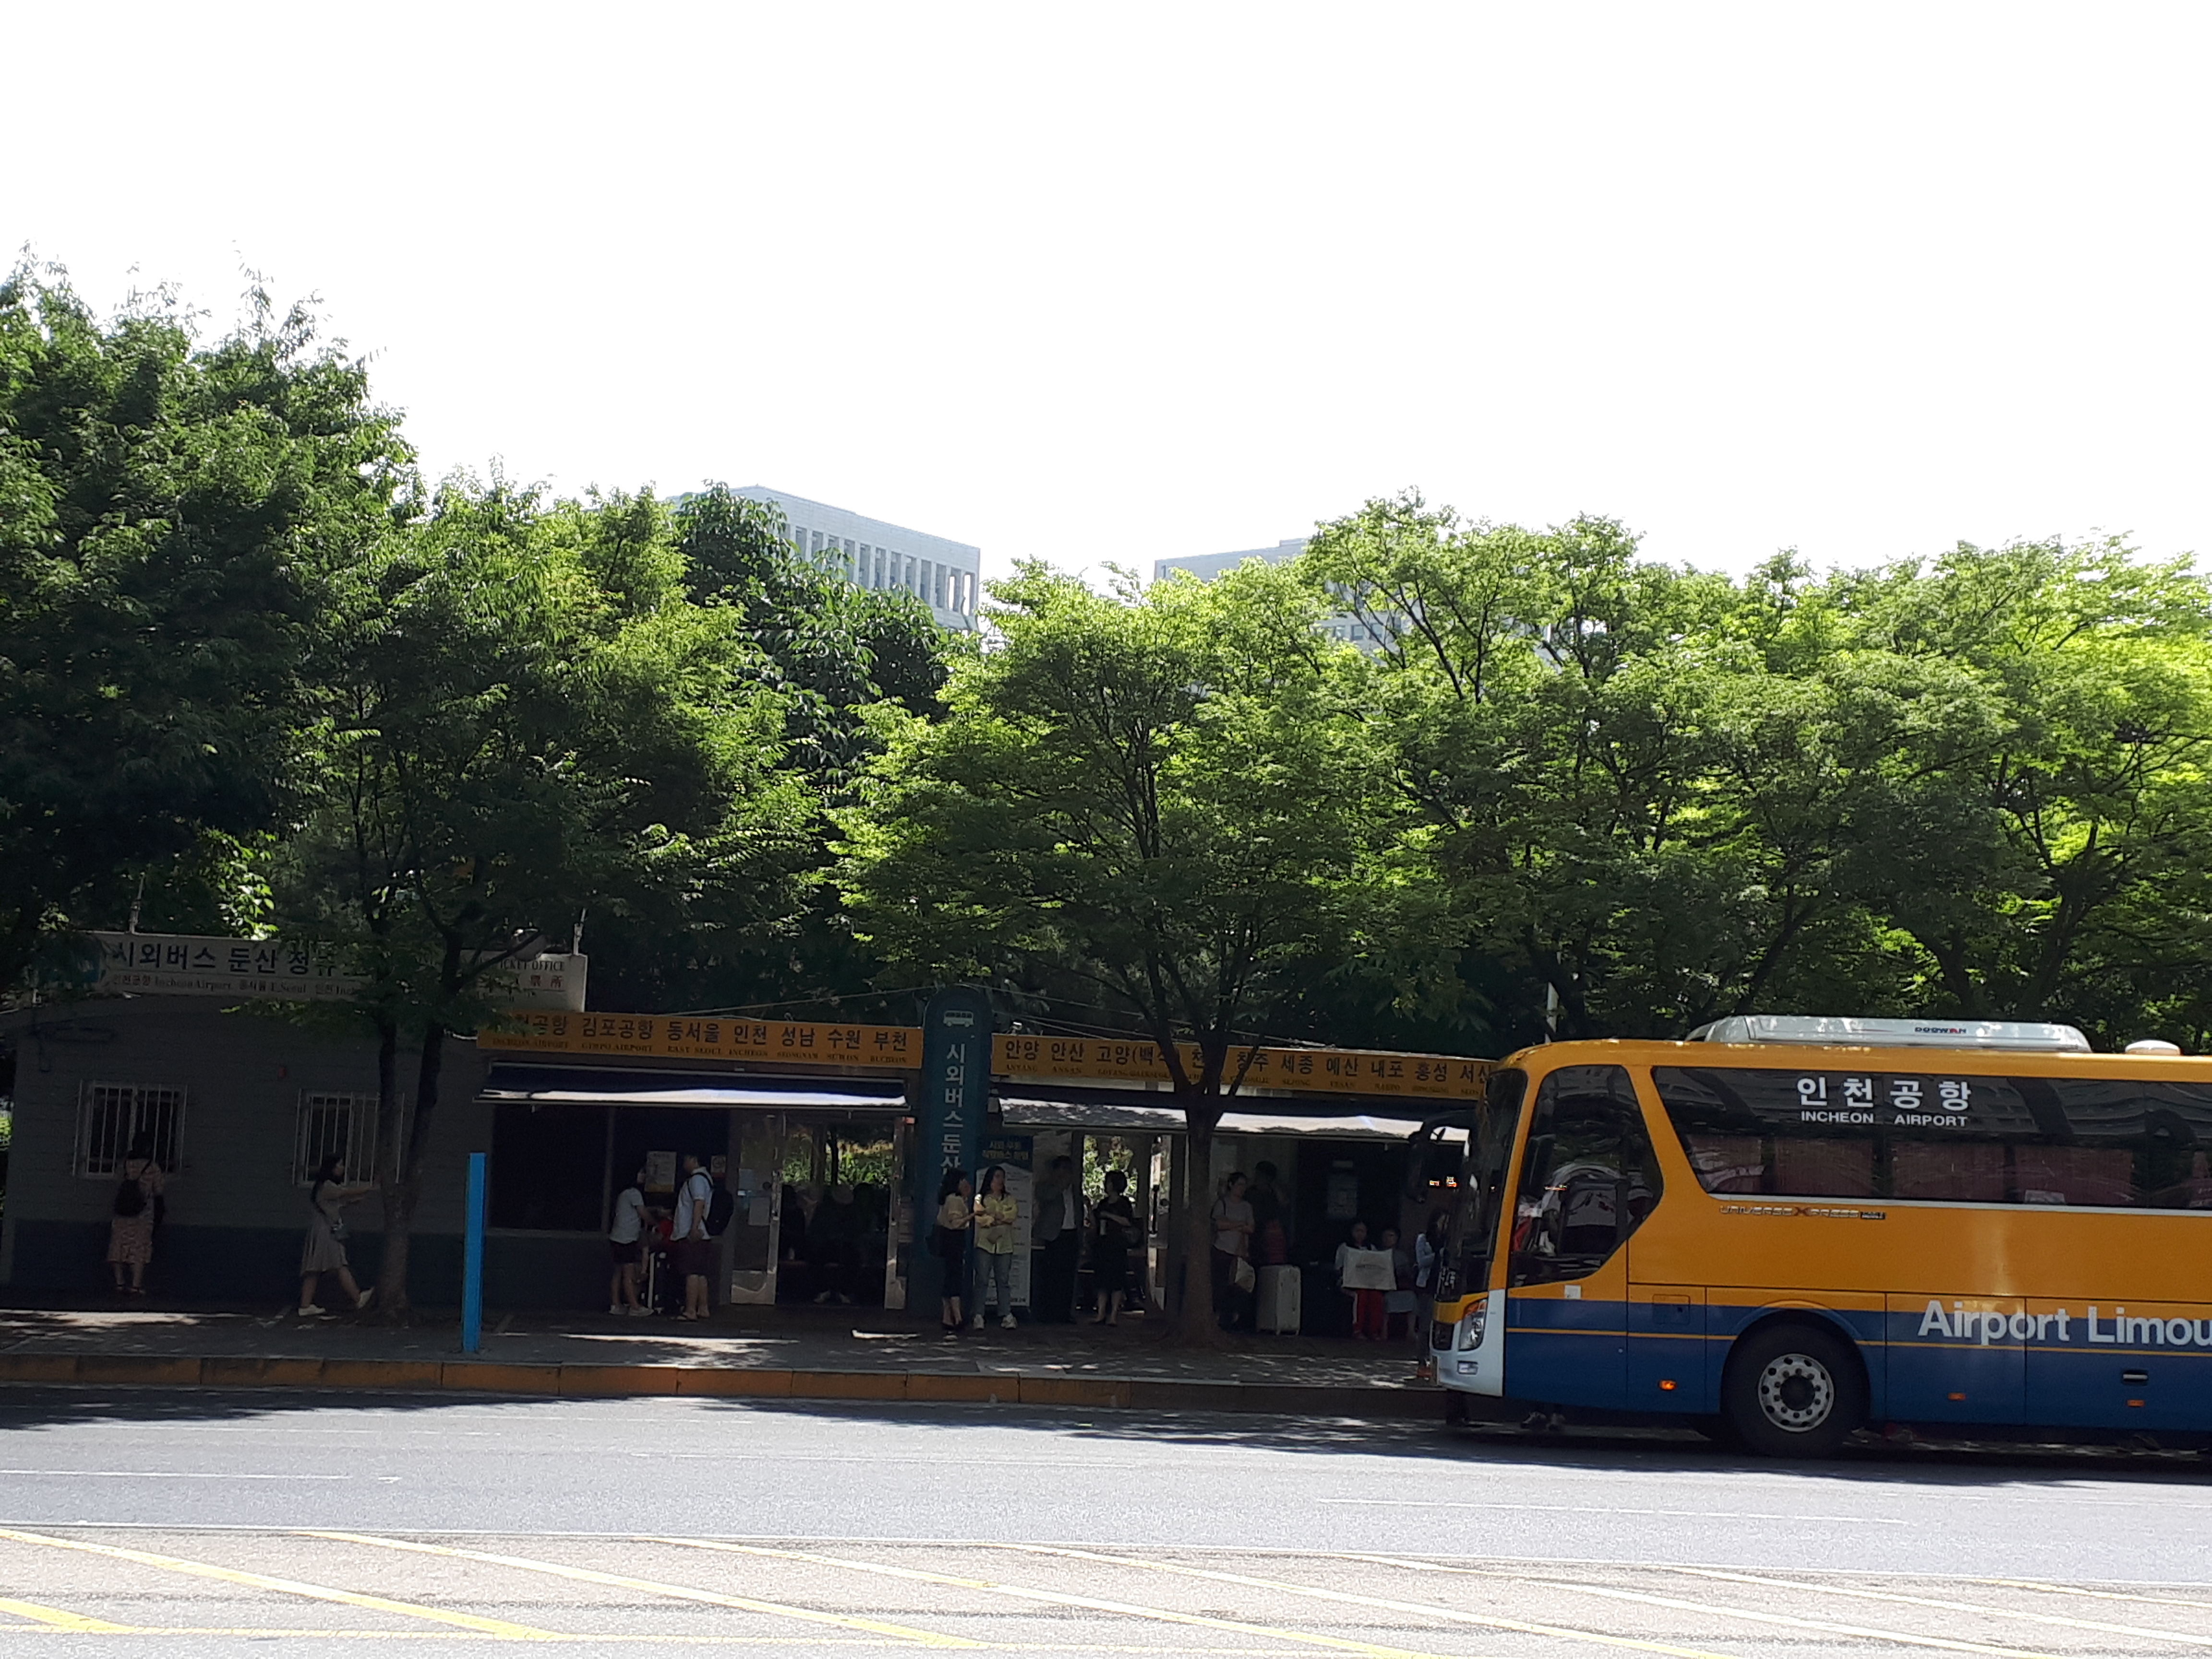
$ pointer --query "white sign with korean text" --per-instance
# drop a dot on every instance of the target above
(188, 964)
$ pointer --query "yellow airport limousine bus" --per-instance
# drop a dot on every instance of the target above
(1788, 1227)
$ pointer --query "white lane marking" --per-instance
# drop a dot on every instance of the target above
(1947, 1606)
(176, 1474)
(1426, 1609)
(2102, 1596)
(1612, 1509)
(1708, 1609)
(1060, 1598)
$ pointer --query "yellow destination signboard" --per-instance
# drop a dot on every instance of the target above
(687, 1037)
(898, 1047)
(1323, 1071)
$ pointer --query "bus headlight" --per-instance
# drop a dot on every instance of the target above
(1470, 1328)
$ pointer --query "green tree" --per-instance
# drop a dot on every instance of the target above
(1165, 797)
(168, 514)
(2062, 879)
(827, 652)
(525, 718)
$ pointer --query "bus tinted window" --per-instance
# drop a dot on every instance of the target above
(1931, 1137)
(1482, 1193)
(1587, 1176)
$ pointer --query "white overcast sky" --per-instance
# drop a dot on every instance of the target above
(1114, 282)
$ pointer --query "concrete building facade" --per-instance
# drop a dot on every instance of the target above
(946, 575)
(1207, 566)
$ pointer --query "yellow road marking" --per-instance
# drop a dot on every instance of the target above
(1949, 1607)
(653, 1587)
(290, 1587)
(1059, 1598)
(1949, 1644)
(55, 1619)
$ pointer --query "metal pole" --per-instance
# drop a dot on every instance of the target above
(472, 1258)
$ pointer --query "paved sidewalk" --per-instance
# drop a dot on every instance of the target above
(804, 1352)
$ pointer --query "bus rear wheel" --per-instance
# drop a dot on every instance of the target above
(1793, 1390)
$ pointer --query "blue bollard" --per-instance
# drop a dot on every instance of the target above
(472, 1241)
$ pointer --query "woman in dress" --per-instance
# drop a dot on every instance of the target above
(131, 1228)
(954, 1219)
(325, 1252)
(1113, 1236)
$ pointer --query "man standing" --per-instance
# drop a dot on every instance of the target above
(1058, 1234)
(689, 1243)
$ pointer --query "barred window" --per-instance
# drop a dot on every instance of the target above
(334, 1123)
(113, 1116)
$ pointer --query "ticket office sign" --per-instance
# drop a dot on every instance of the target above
(1324, 1071)
(671, 1037)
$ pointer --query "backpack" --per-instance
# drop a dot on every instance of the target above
(720, 1210)
(130, 1198)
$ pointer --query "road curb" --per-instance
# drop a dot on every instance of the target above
(616, 1381)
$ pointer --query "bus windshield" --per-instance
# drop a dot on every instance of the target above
(1482, 1192)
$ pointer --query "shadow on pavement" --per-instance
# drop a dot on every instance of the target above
(1949, 1463)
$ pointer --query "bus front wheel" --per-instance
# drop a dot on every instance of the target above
(1793, 1390)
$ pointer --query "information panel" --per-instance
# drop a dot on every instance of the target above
(671, 1036)
(1324, 1071)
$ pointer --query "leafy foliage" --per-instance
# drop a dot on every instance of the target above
(1168, 801)
(168, 516)
(1971, 785)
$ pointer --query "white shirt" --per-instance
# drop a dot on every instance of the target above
(629, 1216)
(697, 1193)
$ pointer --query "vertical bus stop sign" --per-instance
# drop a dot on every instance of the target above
(956, 1072)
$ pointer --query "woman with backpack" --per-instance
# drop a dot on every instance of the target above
(137, 1208)
(325, 1252)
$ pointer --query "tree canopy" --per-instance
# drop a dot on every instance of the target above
(1161, 804)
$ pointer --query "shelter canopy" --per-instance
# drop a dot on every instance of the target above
(1141, 1112)
(619, 1085)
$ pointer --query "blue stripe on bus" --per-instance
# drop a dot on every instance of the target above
(1610, 1355)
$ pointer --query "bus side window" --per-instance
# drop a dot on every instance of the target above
(1588, 1178)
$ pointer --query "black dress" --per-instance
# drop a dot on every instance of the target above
(1115, 1224)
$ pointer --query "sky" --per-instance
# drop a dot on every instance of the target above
(1111, 283)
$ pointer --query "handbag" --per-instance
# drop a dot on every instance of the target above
(1246, 1279)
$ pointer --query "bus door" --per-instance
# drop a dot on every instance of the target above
(1588, 1179)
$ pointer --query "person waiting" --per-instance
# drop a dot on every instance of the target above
(833, 1244)
(1233, 1278)
(625, 1248)
(956, 1219)
(1113, 1238)
(690, 1245)
(995, 1213)
(1367, 1318)
(1399, 1302)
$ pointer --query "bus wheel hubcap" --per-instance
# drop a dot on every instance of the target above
(1797, 1392)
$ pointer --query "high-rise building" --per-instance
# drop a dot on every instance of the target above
(1207, 566)
(946, 575)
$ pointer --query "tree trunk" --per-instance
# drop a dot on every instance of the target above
(1197, 1325)
(400, 1199)
(391, 1148)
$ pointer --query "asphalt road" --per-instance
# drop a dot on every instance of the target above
(208, 1522)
